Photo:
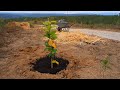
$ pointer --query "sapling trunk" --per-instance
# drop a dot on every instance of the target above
(103, 73)
(52, 57)
(51, 63)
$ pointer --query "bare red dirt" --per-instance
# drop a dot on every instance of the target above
(20, 48)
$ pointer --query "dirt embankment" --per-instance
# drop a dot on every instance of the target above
(20, 48)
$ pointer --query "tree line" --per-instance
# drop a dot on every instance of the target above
(91, 21)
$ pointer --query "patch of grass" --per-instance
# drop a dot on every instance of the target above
(105, 64)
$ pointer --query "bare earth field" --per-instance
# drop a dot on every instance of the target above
(20, 48)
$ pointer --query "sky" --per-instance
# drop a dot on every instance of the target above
(67, 12)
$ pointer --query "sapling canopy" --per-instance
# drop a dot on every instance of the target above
(50, 33)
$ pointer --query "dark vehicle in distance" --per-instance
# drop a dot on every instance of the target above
(62, 24)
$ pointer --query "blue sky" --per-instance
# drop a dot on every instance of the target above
(67, 12)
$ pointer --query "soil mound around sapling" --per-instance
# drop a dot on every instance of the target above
(43, 65)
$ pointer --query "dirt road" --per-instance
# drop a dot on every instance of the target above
(104, 34)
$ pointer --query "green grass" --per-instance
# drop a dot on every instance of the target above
(105, 63)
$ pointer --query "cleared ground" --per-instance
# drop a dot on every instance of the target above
(20, 48)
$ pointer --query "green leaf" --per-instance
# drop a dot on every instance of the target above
(49, 27)
(54, 51)
(45, 49)
(52, 32)
(50, 55)
(45, 29)
(47, 34)
(50, 48)
(53, 36)
(46, 44)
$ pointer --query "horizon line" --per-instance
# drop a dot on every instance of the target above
(64, 12)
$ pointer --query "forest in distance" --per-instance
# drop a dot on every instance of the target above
(87, 21)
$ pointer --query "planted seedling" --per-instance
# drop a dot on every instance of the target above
(50, 33)
(105, 64)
